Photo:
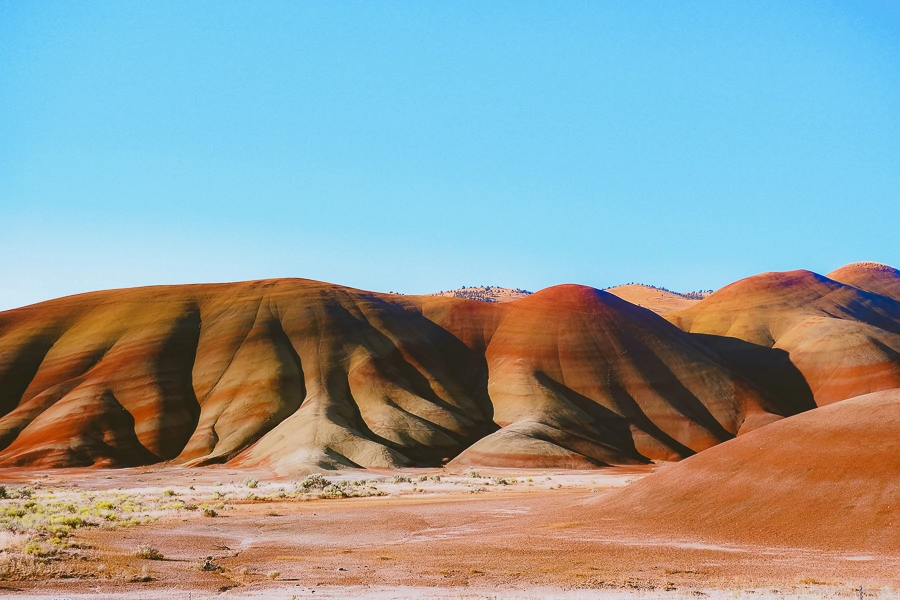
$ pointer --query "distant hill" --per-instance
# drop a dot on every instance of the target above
(485, 293)
(658, 299)
(296, 375)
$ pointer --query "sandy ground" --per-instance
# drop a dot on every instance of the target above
(460, 537)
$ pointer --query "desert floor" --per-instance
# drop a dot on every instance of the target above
(491, 534)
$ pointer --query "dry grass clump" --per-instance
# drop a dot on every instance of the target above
(22, 492)
(312, 482)
(318, 486)
(36, 525)
(148, 552)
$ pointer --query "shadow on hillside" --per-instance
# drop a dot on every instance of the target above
(770, 369)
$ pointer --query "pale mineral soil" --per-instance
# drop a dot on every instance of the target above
(494, 534)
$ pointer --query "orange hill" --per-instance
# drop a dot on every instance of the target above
(297, 374)
(829, 478)
(802, 336)
(870, 276)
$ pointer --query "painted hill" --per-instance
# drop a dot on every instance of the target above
(827, 478)
(485, 293)
(580, 370)
(297, 374)
(659, 300)
(804, 337)
(870, 276)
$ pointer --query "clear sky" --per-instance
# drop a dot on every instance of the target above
(419, 146)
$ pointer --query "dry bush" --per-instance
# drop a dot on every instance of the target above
(313, 482)
(148, 552)
(11, 541)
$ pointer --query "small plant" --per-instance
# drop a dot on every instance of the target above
(473, 474)
(251, 483)
(436, 478)
(333, 491)
(169, 493)
(148, 552)
(208, 512)
(22, 492)
(423, 478)
(401, 479)
(314, 481)
(3, 492)
(143, 577)
(273, 575)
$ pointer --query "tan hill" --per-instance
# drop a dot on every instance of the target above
(870, 276)
(296, 374)
(802, 336)
(828, 478)
(485, 293)
(659, 300)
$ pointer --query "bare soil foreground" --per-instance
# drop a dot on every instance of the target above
(217, 532)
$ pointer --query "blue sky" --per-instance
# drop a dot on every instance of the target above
(419, 146)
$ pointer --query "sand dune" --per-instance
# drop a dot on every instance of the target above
(827, 478)
(297, 374)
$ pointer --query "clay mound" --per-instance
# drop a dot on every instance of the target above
(297, 374)
(198, 374)
(485, 293)
(870, 276)
(604, 381)
(802, 336)
(660, 301)
(826, 478)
